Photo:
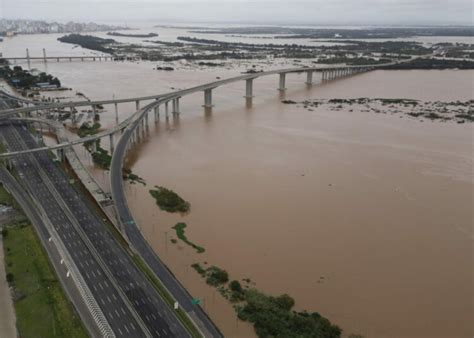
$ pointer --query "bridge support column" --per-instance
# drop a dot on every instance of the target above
(176, 106)
(249, 88)
(309, 77)
(157, 113)
(208, 98)
(146, 119)
(44, 55)
(73, 116)
(94, 146)
(28, 57)
(167, 109)
(111, 141)
(137, 105)
(60, 154)
(282, 82)
(116, 113)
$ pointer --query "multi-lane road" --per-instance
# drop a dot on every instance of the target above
(140, 244)
(126, 298)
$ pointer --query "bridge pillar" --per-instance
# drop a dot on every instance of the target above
(94, 146)
(57, 60)
(166, 109)
(82, 59)
(73, 116)
(44, 55)
(70, 59)
(249, 88)
(60, 154)
(309, 77)
(156, 111)
(282, 82)
(116, 113)
(28, 57)
(137, 105)
(176, 106)
(146, 119)
(208, 98)
(111, 141)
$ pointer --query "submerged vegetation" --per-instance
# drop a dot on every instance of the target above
(24, 79)
(169, 201)
(127, 174)
(100, 156)
(271, 316)
(431, 63)
(179, 227)
(458, 111)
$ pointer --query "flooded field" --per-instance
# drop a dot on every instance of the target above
(365, 218)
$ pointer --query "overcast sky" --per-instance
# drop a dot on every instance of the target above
(381, 12)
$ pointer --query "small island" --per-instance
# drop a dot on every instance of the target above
(89, 42)
(169, 201)
(149, 35)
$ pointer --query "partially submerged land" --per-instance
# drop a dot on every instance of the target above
(271, 316)
(169, 201)
(149, 35)
(331, 51)
(458, 111)
(22, 79)
(327, 33)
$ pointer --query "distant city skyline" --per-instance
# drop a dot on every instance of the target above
(299, 12)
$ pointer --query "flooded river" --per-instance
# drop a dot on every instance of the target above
(366, 218)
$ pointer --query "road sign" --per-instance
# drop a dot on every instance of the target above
(196, 301)
(176, 305)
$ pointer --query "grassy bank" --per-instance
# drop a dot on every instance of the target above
(7, 199)
(41, 307)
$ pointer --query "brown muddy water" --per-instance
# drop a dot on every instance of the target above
(365, 218)
(378, 205)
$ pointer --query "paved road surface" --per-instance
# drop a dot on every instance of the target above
(127, 299)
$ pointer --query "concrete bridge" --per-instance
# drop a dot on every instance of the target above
(58, 58)
(132, 129)
(169, 102)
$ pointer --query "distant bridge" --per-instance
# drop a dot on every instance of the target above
(139, 120)
(58, 58)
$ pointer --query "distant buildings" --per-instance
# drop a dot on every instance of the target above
(12, 27)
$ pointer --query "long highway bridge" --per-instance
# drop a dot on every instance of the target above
(45, 58)
(327, 74)
(72, 223)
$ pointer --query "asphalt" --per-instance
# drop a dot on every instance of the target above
(139, 243)
(128, 300)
